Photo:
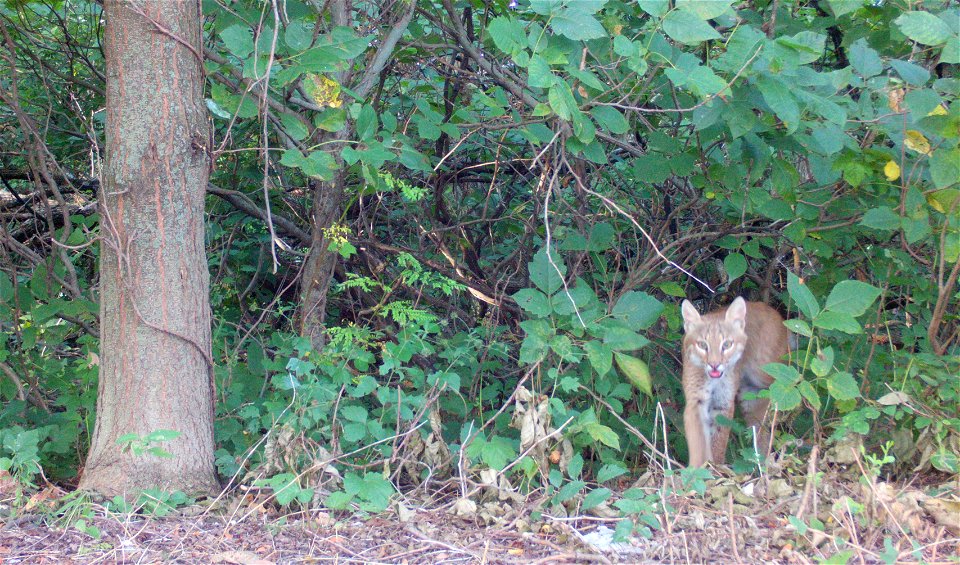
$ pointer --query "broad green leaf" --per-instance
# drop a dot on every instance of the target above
(561, 101)
(298, 35)
(578, 27)
(688, 28)
(736, 265)
(882, 218)
(570, 490)
(599, 355)
(507, 35)
(808, 392)
(852, 297)
(704, 9)
(539, 73)
(843, 386)
(547, 272)
(354, 413)
(843, 7)
(951, 51)
(656, 8)
(534, 302)
(778, 96)
(636, 371)
(623, 339)
(865, 59)
(839, 321)
(945, 168)
(913, 74)
(603, 434)
(610, 119)
(799, 327)
(822, 362)
(638, 309)
(610, 471)
(238, 39)
(786, 373)
(923, 27)
(595, 498)
(366, 123)
(784, 395)
(802, 296)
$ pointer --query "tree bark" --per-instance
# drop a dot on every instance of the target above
(155, 363)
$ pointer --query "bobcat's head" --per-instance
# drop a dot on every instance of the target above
(715, 341)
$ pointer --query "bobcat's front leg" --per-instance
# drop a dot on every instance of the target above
(695, 428)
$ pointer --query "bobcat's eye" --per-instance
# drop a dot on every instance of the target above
(727, 345)
(704, 346)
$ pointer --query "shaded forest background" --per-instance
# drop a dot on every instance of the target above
(447, 240)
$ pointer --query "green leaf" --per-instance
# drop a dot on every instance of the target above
(843, 386)
(822, 362)
(852, 297)
(534, 302)
(785, 373)
(778, 96)
(784, 395)
(599, 355)
(603, 434)
(688, 28)
(578, 27)
(799, 327)
(547, 272)
(704, 9)
(595, 498)
(610, 471)
(839, 321)
(354, 413)
(736, 265)
(882, 218)
(638, 309)
(507, 35)
(923, 27)
(843, 7)
(366, 123)
(539, 74)
(945, 167)
(808, 392)
(623, 339)
(636, 372)
(951, 51)
(561, 101)
(238, 39)
(497, 452)
(570, 490)
(655, 8)
(610, 119)
(298, 35)
(911, 73)
(864, 59)
(802, 296)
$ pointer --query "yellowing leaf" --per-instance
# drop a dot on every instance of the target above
(636, 372)
(891, 170)
(916, 141)
(324, 90)
(938, 111)
(943, 200)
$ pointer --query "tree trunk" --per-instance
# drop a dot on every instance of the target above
(155, 364)
(321, 261)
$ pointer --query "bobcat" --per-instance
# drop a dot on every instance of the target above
(723, 353)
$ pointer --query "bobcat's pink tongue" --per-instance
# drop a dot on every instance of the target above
(715, 374)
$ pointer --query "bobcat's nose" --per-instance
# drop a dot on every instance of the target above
(715, 371)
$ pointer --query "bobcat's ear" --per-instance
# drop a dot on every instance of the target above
(737, 313)
(690, 316)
